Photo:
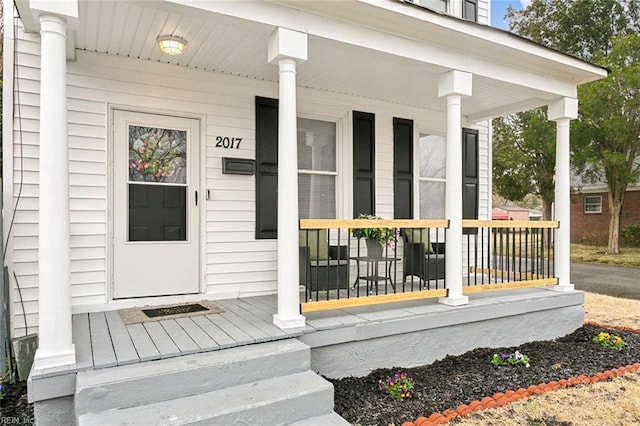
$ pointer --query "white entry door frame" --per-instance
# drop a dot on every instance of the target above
(155, 205)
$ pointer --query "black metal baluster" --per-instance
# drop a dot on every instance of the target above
(482, 236)
(306, 258)
(526, 251)
(502, 254)
(549, 251)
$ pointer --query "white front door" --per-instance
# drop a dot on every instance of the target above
(155, 205)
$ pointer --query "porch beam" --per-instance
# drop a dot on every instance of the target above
(30, 12)
(454, 85)
(287, 48)
(492, 113)
(562, 111)
(54, 287)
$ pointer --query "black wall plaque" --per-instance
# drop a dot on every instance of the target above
(238, 166)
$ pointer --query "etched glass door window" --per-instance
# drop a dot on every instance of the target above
(157, 184)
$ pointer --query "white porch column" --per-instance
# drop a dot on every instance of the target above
(55, 344)
(454, 85)
(562, 112)
(287, 47)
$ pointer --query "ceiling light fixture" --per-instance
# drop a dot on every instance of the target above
(171, 45)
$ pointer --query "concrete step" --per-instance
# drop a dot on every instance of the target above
(332, 419)
(276, 401)
(150, 382)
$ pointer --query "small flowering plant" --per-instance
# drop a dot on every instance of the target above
(382, 235)
(400, 385)
(510, 359)
(610, 341)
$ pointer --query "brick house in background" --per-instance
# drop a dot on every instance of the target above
(509, 213)
(590, 213)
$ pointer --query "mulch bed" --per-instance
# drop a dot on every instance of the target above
(446, 383)
(456, 380)
(14, 407)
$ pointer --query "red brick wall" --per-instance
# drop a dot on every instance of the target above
(518, 214)
(593, 228)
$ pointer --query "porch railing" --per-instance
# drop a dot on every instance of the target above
(337, 269)
(502, 252)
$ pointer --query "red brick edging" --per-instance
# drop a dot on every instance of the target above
(500, 399)
(613, 327)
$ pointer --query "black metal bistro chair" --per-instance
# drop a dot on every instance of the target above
(322, 266)
(422, 258)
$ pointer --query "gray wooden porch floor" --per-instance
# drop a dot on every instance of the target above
(102, 340)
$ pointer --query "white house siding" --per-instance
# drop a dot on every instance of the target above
(484, 148)
(234, 263)
(483, 12)
(24, 231)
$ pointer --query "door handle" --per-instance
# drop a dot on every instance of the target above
(196, 198)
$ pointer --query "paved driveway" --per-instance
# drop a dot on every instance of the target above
(617, 281)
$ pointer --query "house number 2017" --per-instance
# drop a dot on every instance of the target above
(227, 143)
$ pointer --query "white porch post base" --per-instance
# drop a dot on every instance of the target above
(293, 321)
(454, 300)
(563, 287)
(42, 360)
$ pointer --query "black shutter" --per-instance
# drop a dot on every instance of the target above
(364, 176)
(266, 168)
(470, 10)
(402, 168)
(470, 180)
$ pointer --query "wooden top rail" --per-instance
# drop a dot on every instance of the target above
(371, 223)
(468, 223)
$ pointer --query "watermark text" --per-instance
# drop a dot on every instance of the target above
(7, 420)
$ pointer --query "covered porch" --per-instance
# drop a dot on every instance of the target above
(343, 342)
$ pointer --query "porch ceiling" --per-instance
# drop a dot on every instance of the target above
(234, 46)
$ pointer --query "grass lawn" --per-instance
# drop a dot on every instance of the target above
(629, 256)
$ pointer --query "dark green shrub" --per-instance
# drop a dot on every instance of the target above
(631, 234)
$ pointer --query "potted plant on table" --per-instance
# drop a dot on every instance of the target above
(376, 238)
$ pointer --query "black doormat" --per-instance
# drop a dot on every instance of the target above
(174, 310)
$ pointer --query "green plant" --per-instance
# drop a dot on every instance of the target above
(510, 359)
(631, 234)
(382, 235)
(400, 385)
(610, 341)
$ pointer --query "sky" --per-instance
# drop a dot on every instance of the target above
(499, 9)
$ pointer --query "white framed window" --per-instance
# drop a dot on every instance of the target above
(317, 169)
(470, 10)
(432, 176)
(592, 204)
